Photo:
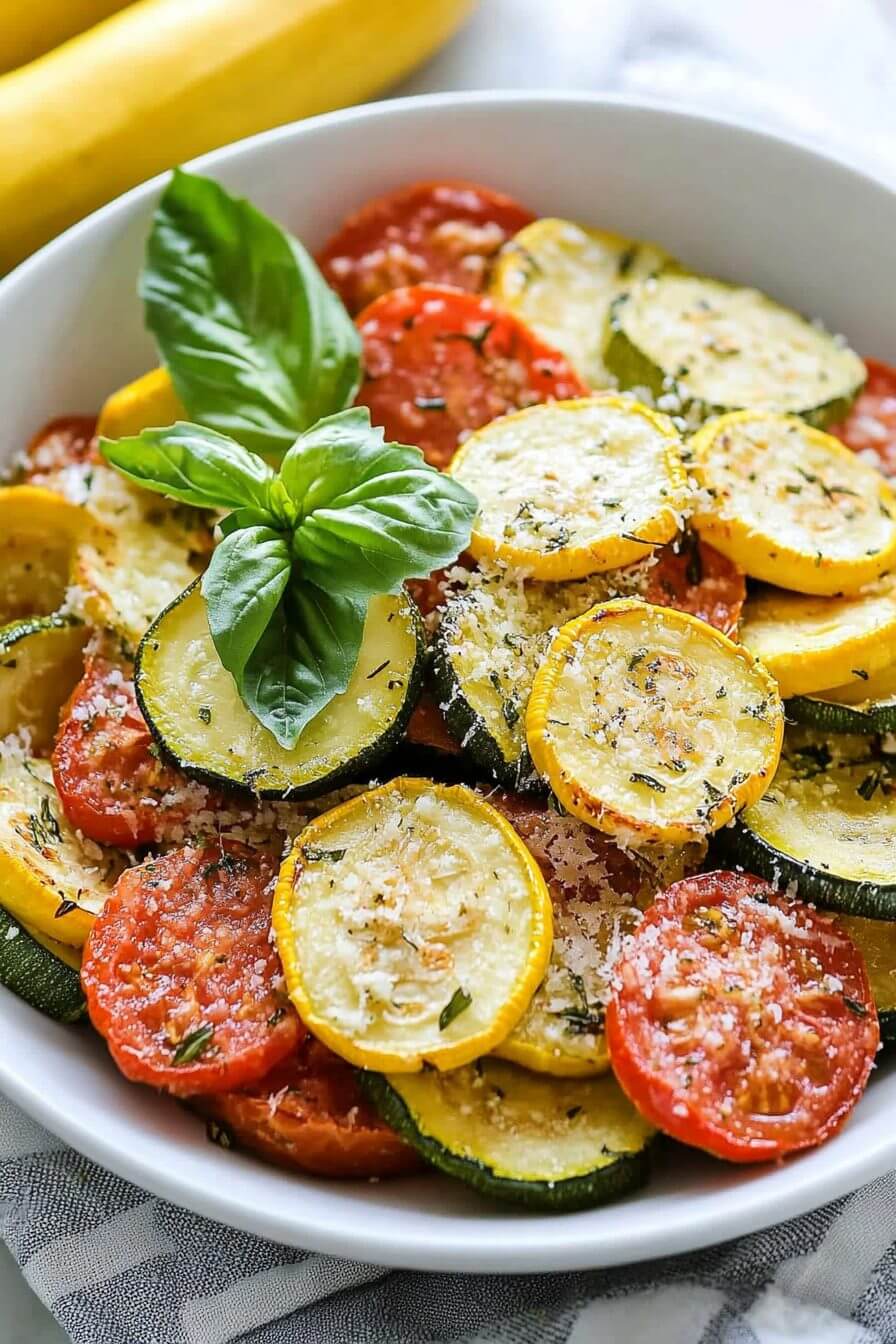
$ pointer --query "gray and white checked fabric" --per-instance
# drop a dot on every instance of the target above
(117, 1266)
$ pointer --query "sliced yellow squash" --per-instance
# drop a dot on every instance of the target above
(145, 403)
(876, 940)
(141, 554)
(39, 532)
(414, 927)
(561, 278)
(50, 879)
(651, 725)
(70, 955)
(810, 643)
(40, 662)
(572, 488)
(791, 505)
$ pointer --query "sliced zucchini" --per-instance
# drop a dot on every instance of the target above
(35, 972)
(791, 505)
(561, 278)
(414, 926)
(50, 879)
(715, 347)
(827, 824)
(39, 531)
(196, 715)
(810, 643)
(571, 488)
(651, 725)
(876, 940)
(491, 640)
(142, 554)
(547, 1143)
(867, 704)
(40, 662)
(146, 402)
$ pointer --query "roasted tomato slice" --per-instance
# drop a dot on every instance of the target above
(694, 577)
(181, 976)
(309, 1113)
(67, 442)
(446, 232)
(106, 769)
(439, 363)
(741, 1022)
(427, 727)
(871, 424)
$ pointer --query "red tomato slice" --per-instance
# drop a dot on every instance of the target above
(427, 727)
(308, 1113)
(531, 819)
(67, 442)
(110, 781)
(871, 424)
(446, 232)
(699, 579)
(180, 974)
(741, 1022)
(440, 363)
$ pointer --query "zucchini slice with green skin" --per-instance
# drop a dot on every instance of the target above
(712, 347)
(876, 940)
(34, 973)
(553, 1144)
(827, 824)
(866, 705)
(492, 639)
(196, 715)
(561, 278)
(40, 662)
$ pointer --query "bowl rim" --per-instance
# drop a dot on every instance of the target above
(760, 1202)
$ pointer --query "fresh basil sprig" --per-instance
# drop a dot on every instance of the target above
(304, 549)
(257, 344)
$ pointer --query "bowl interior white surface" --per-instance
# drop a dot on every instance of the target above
(727, 201)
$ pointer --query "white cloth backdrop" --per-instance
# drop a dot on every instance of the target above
(825, 70)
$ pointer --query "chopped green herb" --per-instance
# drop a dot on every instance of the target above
(194, 1044)
(314, 855)
(458, 1003)
(855, 1007)
(638, 778)
(205, 713)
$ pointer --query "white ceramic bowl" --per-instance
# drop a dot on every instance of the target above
(728, 201)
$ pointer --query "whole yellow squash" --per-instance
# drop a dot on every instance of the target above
(164, 80)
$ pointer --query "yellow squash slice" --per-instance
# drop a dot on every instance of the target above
(147, 402)
(791, 505)
(50, 880)
(651, 725)
(414, 927)
(572, 488)
(560, 279)
(39, 533)
(811, 643)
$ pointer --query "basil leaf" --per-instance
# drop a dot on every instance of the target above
(257, 344)
(192, 464)
(305, 657)
(242, 586)
(372, 514)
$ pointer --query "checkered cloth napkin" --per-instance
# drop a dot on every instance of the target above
(117, 1266)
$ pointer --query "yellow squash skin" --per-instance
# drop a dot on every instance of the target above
(27, 31)
(166, 80)
(601, 762)
(811, 643)
(791, 505)
(145, 403)
(401, 1053)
